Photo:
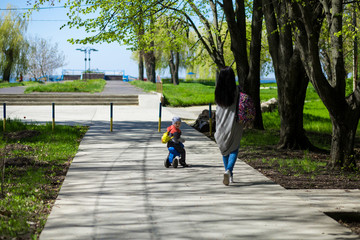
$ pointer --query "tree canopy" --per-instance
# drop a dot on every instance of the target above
(43, 57)
(13, 45)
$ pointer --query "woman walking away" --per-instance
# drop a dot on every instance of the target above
(228, 130)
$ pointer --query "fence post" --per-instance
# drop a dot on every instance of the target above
(53, 116)
(159, 117)
(210, 120)
(111, 117)
(4, 117)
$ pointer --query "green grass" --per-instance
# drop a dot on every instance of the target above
(184, 94)
(316, 116)
(146, 86)
(256, 138)
(268, 85)
(4, 84)
(188, 94)
(92, 86)
(29, 188)
(297, 167)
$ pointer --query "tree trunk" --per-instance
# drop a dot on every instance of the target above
(342, 142)
(291, 96)
(253, 79)
(355, 52)
(140, 22)
(344, 111)
(9, 56)
(174, 67)
(150, 64)
(141, 65)
(248, 72)
(237, 27)
(6, 75)
(290, 77)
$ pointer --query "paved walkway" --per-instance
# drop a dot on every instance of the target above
(117, 187)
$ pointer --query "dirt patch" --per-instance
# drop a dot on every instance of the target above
(18, 147)
(14, 154)
(322, 177)
(348, 219)
(21, 134)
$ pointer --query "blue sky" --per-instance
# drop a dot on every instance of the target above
(46, 24)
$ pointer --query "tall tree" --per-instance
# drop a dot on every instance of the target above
(213, 41)
(291, 78)
(149, 55)
(212, 37)
(248, 68)
(344, 110)
(180, 28)
(355, 45)
(13, 45)
(44, 58)
(126, 22)
(140, 34)
(171, 43)
(174, 63)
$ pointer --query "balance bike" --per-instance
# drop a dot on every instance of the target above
(173, 158)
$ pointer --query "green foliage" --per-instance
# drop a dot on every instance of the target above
(170, 39)
(92, 86)
(27, 185)
(209, 81)
(13, 46)
(349, 86)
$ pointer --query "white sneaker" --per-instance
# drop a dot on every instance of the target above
(231, 179)
(226, 177)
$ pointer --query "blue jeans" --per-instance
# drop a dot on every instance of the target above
(230, 160)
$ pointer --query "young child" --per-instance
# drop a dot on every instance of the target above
(177, 141)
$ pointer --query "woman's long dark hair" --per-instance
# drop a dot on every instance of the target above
(225, 88)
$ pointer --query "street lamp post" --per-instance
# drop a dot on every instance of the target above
(86, 50)
(91, 49)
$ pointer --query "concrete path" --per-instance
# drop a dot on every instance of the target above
(118, 188)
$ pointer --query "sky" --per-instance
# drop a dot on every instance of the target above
(46, 24)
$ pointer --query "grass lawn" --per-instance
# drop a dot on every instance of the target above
(92, 86)
(37, 159)
(184, 94)
(4, 84)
